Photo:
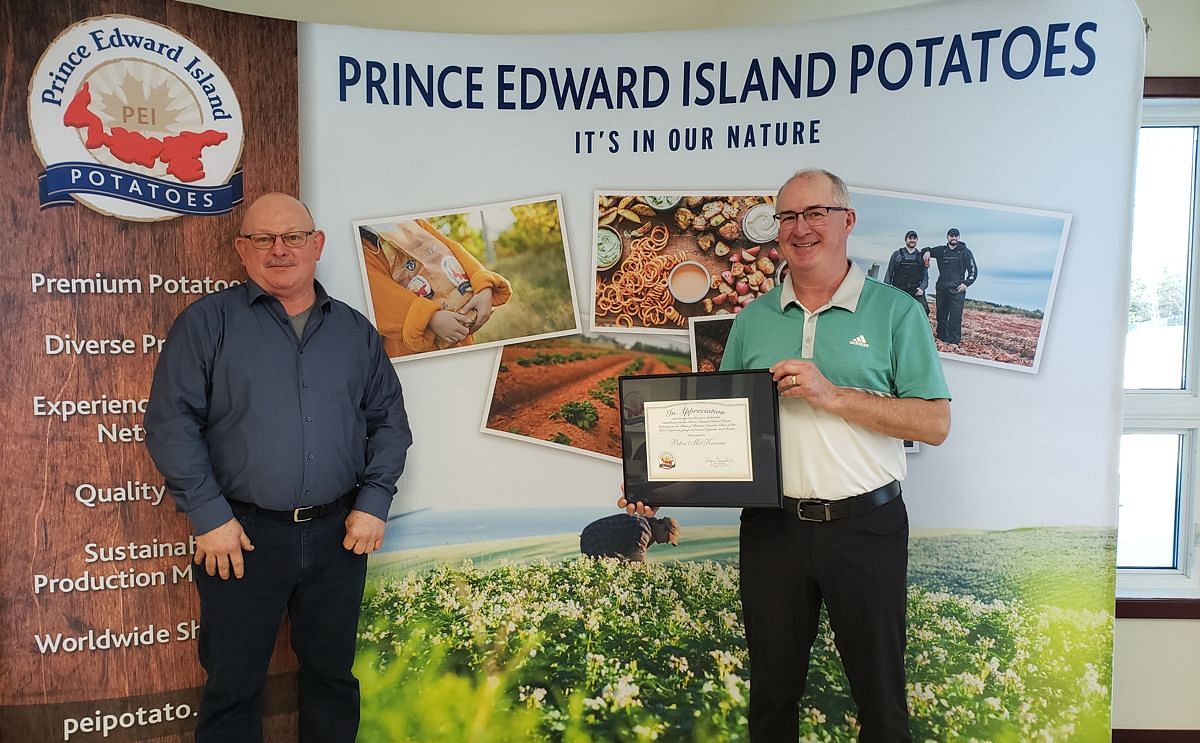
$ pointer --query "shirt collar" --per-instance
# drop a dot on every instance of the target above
(254, 292)
(846, 296)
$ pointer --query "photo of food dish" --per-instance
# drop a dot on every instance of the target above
(662, 258)
(707, 336)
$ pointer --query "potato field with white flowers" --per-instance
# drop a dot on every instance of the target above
(563, 648)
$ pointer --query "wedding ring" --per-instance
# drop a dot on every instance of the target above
(793, 380)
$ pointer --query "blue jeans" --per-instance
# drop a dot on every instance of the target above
(304, 570)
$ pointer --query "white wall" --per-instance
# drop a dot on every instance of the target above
(1171, 50)
(1156, 674)
(1157, 662)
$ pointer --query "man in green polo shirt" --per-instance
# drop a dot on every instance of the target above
(857, 373)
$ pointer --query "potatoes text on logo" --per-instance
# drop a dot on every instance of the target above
(135, 121)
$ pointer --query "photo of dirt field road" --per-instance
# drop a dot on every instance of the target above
(562, 392)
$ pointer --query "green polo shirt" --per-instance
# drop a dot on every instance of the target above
(870, 336)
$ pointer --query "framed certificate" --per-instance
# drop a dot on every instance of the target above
(701, 439)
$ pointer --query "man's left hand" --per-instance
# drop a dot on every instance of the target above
(961, 288)
(912, 418)
(482, 304)
(635, 509)
(798, 378)
(364, 532)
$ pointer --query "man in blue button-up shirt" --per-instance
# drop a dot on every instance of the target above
(278, 424)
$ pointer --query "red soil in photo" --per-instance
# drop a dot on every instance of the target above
(1007, 338)
(525, 397)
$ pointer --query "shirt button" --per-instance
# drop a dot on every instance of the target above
(310, 456)
(308, 418)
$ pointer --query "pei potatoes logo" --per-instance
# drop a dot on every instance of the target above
(135, 121)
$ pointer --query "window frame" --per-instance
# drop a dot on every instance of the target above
(1147, 592)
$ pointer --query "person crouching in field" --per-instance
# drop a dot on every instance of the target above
(627, 536)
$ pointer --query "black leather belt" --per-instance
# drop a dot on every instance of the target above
(299, 515)
(817, 509)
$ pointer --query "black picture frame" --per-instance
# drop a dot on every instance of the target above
(762, 491)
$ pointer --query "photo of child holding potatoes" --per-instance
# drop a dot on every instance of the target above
(435, 281)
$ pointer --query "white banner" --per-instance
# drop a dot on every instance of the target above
(1012, 104)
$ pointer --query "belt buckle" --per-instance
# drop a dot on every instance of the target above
(828, 514)
(297, 511)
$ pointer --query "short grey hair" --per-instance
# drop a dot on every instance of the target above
(841, 194)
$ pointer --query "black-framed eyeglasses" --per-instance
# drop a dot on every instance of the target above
(812, 215)
(266, 240)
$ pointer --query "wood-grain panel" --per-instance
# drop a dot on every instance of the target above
(43, 528)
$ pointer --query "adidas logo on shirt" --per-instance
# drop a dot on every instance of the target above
(860, 341)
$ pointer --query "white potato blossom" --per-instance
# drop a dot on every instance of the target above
(657, 652)
(623, 694)
(733, 687)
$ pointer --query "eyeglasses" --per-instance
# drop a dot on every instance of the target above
(812, 215)
(266, 240)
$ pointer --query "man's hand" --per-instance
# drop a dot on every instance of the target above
(905, 418)
(635, 509)
(920, 291)
(364, 532)
(450, 327)
(797, 378)
(220, 550)
(482, 304)
(961, 288)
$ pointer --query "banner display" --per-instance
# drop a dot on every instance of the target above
(597, 191)
(1011, 125)
(125, 149)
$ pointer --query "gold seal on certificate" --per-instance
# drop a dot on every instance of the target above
(701, 439)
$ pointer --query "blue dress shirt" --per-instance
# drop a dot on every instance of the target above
(242, 409)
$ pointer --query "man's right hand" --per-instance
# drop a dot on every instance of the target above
(220, 550)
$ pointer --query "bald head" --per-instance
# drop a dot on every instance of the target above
(275, 205)
(287, 273)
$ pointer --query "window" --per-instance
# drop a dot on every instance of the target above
(1160, 491)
